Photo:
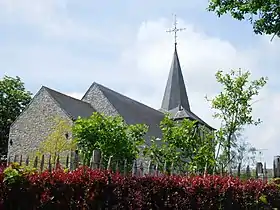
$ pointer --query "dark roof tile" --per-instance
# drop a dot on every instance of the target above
(175, 91)
(133, 111)
(178, 114)
(72, 106)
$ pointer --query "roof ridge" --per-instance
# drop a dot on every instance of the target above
(127, 97)
(47, 88)
(72, 106)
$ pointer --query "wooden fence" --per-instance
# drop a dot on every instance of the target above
(72, 161)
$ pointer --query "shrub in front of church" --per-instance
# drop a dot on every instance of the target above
(100, 189)
(109, 134)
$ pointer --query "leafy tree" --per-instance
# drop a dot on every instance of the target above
(263, 14)
(185, 146)
(234, 106)
(111, 135)
(13, 99)
(59, 141)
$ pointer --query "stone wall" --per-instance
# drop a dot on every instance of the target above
(34, 124)
(96, 98)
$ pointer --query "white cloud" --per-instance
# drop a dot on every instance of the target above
(50, 16)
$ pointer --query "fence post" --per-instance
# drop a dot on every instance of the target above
(205, 170)
(67, 161)
(134, 168)
(248, 173)
(76, 160)
(164, 167)
(84, 160)
(171, 168)
(72, 160)
(27, 161)
(35, 162)
(276, 167)
(100, 163)
(57, 162)
(9, 160)
(265, 172)
(15, 158)
(91, 164)
(125, 167)
(156, 169)
(141, 171)
(149, 167)
(239, 170)
(117, 167)
(109, 163)
(42, 163)
(50, 163)
(20, 160)
(95, 159)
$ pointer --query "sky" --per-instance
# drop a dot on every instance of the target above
(68, 44)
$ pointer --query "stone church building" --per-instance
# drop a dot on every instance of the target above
(33, 125)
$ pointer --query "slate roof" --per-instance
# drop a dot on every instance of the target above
(180, 113)
(175, 91)
(72, 106)
(134, 112)
(175, 100)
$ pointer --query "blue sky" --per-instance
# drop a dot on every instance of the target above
(67, 45)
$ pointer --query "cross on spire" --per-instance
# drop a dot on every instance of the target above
(175, 29)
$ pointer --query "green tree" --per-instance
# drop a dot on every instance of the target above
(185, 146)
(233, 106)
(111, 135)
(13, 99)
(59, 141)
(263, 14)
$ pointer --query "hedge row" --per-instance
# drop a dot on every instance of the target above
(99, 189)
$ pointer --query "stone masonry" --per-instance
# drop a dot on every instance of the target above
(34, 124)
(96, 98)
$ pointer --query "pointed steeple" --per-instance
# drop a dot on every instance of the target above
(175, 95)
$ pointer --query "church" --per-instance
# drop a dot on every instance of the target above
(34, 124)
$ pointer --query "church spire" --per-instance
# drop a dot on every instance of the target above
(175, 95)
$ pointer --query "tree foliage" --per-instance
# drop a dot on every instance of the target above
(263, 14)
(109, 134)
(233, 106)
(185, 146)
(13, 99)
(59, 141)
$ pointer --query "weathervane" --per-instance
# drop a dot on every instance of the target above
(175, 29)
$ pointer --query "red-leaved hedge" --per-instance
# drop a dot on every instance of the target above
(99, 189)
